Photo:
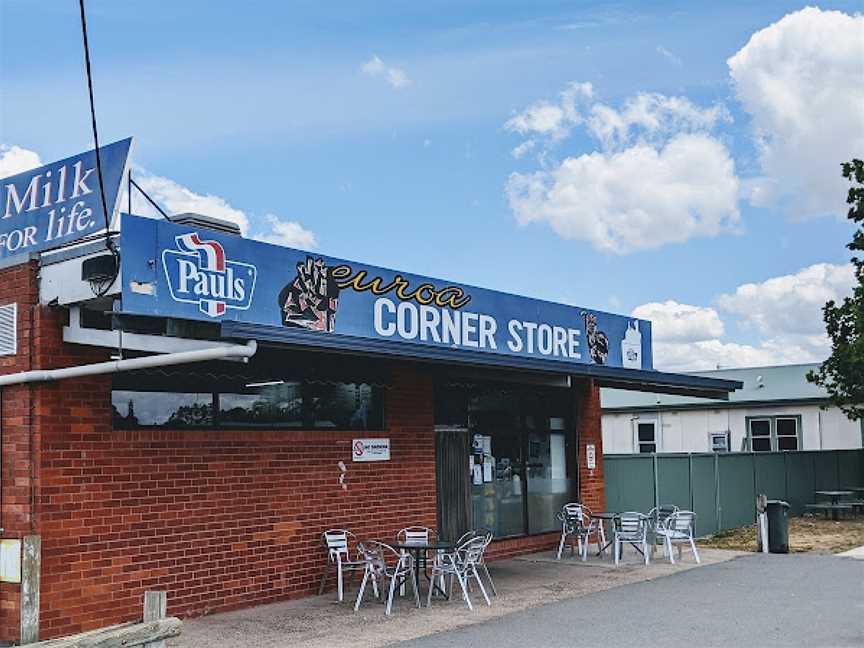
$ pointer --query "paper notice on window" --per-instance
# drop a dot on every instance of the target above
(478, 475)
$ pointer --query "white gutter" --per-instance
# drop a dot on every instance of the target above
(183, 357)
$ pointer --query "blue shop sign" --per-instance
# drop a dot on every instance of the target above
(60, 202)
(176, 271)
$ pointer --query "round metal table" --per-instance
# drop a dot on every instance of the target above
(419, 551)
(609, 517)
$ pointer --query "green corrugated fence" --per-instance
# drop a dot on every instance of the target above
(721, 488)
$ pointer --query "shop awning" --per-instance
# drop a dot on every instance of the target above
(616, 377)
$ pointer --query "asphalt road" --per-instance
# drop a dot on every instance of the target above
(761, 600)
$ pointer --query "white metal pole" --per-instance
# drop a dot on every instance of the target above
(114, 366)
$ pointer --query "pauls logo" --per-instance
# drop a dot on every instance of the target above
(198, 273)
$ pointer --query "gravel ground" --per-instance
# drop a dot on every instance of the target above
(321, 622)
(757, 600)
(805, 534)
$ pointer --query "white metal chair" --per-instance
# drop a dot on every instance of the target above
(337, 544)
(401, 569)
(462, 564)
(414, 534)
(487, 536)
(576, 522)
(630, 528)
(656, 517)
(678, 529)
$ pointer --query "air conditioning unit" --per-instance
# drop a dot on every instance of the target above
(719, 441)
(200, 221)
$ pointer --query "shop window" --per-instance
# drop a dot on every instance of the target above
(774, 433)
(647, 437)
(132, 409)
(274, 405)
(282, 405)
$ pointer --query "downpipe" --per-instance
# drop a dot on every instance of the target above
(242, 351)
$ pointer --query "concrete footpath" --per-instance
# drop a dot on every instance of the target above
(526, 582)
(857, 552)
(755, 600)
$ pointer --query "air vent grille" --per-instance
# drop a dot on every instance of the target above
(8, 329)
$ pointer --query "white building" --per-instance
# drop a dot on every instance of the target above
(777, 409)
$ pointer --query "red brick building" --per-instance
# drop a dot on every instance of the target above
(213, 480)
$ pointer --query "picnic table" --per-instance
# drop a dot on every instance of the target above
(836, 505)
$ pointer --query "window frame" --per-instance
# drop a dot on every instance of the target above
(772, 435)
(638, 443)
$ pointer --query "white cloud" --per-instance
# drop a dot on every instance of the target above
(639, 198)
(288, 233)
(15, 160)
(784, 312)
(658, 175)
(553, 120)
(523, 148)
(647, 116)
(802, 80)
(669, 56)
(177, 199)
(790, 304)
(713, 354)
(675, 322)
(174, 198)
(396, 77)
(651, 117)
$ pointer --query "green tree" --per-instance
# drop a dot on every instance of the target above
(842, 374)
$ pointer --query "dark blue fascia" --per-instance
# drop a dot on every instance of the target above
(616, 377)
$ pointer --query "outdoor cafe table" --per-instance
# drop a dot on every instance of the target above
(419, 551)
(834, 496)
(609, 517)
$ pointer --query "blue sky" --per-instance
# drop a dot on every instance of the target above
(406, 162)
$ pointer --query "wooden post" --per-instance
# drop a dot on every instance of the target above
(155, 609)
(762, 519)
(31, 567)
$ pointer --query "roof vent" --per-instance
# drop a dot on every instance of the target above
(201, 221)
(8, 329)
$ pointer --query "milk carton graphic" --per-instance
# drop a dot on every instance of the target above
(631, 347)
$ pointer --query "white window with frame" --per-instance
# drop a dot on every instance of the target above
(774, 433)
(646, 436)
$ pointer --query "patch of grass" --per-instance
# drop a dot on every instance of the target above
(805, 534)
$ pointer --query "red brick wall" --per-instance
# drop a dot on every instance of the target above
(591, 487)
(17, 284)
(218, 519)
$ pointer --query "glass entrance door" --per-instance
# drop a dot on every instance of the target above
(497, 482)
(549, 485)
(521, 466)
